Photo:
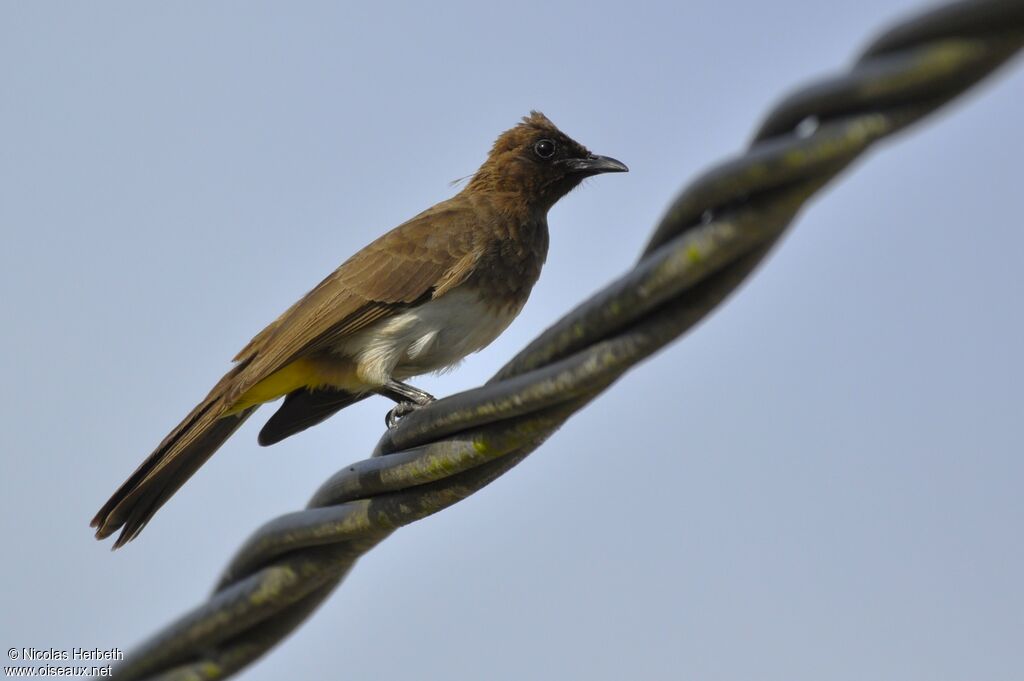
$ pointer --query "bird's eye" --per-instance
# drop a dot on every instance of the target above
(544, 148)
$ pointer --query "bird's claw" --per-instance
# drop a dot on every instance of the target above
(398, 411)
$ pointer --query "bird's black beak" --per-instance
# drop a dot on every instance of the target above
(594, 165)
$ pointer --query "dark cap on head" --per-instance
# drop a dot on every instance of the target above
(540, 162)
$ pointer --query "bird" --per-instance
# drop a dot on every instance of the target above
(416, 300)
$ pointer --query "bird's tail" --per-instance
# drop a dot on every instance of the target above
(177, 458)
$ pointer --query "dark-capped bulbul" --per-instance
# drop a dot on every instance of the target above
(417, 300)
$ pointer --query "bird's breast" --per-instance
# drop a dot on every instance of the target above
(432, 336)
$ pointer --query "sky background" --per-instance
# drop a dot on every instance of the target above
(821, 481)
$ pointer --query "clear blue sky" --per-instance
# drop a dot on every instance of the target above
(822, 481)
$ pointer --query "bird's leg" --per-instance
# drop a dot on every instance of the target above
(409, 399)
(403, 392)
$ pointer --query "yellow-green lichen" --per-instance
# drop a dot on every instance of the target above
(693, 254)
(273, 583)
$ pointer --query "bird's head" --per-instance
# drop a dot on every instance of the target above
(539, 163)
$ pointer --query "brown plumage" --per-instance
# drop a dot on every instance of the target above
(416, 300)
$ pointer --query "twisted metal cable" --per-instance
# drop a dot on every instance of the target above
(714, 234)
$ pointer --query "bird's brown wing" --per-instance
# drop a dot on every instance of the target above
(430, 254)
(422, 258)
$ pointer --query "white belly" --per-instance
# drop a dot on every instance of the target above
(431, 337)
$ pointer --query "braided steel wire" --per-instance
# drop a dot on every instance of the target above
(717, 230)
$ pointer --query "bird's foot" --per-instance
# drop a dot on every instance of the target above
(398, 411)
(409, 399)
